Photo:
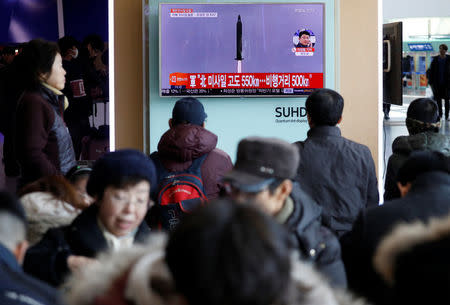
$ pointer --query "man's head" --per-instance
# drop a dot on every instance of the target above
(68, 46)
(13, 225)
(324, 108)
(443, 49)
(188, 110)
(304, 38)
(422, 115)
(94, 44)
(227, 253)
(263, 171)
(120, 183)
(418, 163)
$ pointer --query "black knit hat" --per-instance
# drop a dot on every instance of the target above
(10, 204)
(188, 109)
(113, 166)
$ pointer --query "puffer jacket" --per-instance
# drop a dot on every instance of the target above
(184, 143)
(126, 277)
(43, 142)
(315, 242)
(402, 148)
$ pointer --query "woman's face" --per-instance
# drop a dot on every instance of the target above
(56, 77)
(123, 209)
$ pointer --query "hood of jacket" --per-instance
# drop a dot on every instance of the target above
(422, 141)
(405, 237)
(124, 277)
(184, 143)
(93, 284)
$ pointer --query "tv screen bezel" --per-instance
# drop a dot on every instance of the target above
(324, 6)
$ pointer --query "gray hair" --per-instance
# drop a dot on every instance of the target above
(12, 230)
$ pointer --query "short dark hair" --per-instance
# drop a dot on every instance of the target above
(324, 107)
(443, 46)
(65, 43)
(422, 115)
(37, 58)
(227, 253)
(420, 162)
(304, 32)
(95, 41)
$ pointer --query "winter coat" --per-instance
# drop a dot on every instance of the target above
(413, 259)
(124, 278)
(44, 211)
(315, 242)
(433, 74)
(428, 197)
(43, 142)
(184, 143)
(18, 288)
(47, 260)
(338, 174)
(402, 148)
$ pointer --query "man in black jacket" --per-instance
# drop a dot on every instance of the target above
(16, 287)
(424, 183)
(422, 122)
(337, 173)
(439, 79)
(262, 175)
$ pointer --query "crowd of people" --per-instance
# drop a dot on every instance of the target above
(286, 224)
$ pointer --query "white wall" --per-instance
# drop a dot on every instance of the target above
(415, 8)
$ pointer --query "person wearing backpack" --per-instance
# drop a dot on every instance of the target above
(189, 150)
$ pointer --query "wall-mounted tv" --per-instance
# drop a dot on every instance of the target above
(241, 49)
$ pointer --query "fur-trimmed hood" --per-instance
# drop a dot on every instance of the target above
(139, 262)
(403, 239)
(138, 267)
(44, 211)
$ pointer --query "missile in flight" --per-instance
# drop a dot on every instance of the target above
(239, 44)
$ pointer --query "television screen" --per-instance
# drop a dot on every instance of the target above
(251, 49)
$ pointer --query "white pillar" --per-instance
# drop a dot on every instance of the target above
(59, 4)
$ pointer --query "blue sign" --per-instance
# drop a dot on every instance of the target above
(420, 47)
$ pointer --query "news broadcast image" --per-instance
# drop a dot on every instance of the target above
(241, 49)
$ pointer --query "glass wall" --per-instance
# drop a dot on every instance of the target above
(421, 40)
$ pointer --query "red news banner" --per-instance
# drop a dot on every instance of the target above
(247, 80)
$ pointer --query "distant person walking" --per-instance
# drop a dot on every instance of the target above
(439, 79)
